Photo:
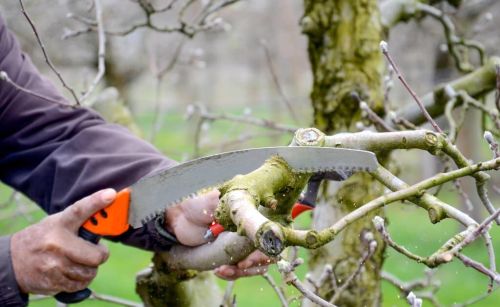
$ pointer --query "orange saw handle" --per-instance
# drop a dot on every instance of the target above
(110, 221)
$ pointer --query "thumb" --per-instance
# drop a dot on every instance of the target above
(75, 215)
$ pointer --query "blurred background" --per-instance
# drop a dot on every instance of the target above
(252, 63)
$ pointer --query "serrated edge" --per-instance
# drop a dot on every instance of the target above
(150, 217)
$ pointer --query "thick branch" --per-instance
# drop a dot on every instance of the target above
(229, 248)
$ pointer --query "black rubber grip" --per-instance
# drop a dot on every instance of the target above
(78, 296)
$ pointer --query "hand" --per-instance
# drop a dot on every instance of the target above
(189, 221)
(256, 263)
(49, 257)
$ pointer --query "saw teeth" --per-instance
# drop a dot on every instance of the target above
(147, 219)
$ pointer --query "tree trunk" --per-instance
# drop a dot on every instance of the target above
(161, 286)
(344, 37)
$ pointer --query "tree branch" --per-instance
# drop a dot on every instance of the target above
(45, 55)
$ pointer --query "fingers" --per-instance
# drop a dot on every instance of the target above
(58, 275)
(75, 215)
(86, 253)
(187, 233)
(257, 258)
(199, 210)
(48, 257)
(255, 264)
(190, 219)
(79, 273)
(232, 272)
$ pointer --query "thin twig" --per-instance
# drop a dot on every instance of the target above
(482, 192)
(287, 270)
(476, 299)
(463, 195)
(159, 73)
(276, 289)
(468, 262)
(227, 300)
(277, 83)
(115, 300)
(373, 117)
(401, 122)
(260, 122)
(406, 287)
(413, 300)
(380, 226)
(308, 293)
(188, 29)
(371, 246)
(492, 143)
(452, 40)
(46, 56)
(473, 235)
(327, 274)
(385, 51)
(101, 51)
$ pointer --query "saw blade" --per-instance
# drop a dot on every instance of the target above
(153, 194)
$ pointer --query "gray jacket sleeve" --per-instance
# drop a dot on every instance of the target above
(57, 154)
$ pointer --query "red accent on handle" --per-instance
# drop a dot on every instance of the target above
(112, 220)
(298, 208)
(216, 229)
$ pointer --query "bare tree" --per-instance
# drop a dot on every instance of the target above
(353, 72)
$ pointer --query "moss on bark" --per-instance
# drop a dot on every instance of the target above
(343, 47)
(344, 37)
(177, 288)
(274, 186)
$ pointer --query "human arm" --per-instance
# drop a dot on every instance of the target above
(58, 154)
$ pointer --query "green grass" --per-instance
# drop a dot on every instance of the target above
(408, 226)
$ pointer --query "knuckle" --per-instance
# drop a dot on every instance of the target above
(90, 273)
(76, 210)
(100, 256)
(104, 254)
(51, 267)
(52, 244)
(81, 274)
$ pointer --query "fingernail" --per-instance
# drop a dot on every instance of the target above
(108, 195)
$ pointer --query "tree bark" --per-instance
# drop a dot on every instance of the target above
(344, 37)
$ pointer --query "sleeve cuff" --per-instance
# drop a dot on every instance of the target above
(161, 234)
(151, 236)
(10, 295)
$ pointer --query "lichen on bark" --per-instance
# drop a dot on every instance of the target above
(343, 51)
(274, 188)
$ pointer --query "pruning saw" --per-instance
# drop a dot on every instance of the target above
(152, 195)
